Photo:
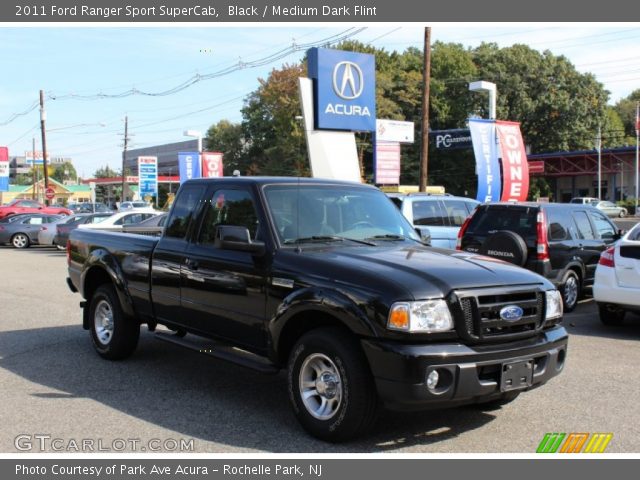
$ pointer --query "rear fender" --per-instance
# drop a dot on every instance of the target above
(101, 260)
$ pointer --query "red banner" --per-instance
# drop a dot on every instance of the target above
(515, 169)
(211, 164)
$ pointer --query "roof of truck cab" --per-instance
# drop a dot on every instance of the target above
(278, 180)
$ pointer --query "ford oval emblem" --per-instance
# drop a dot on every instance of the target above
(511, 313)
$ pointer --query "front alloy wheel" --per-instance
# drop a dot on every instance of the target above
(20, 240)
(330, 385)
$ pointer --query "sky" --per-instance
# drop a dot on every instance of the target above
(76, 65)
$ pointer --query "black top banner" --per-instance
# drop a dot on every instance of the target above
(365, 11)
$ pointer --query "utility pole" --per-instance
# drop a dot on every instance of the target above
(124, 155)
(424, 157)
(43, 118)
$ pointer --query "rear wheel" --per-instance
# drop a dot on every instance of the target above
(330, 386)
(570, 290)
(115, 336)
(611, 314)
(20, 240)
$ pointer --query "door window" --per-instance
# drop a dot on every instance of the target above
(457, 211)
(428, 213)
(183, 210)
(585, 232)
(605, 230)
(229, 207)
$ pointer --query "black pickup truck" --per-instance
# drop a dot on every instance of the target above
(328, 280)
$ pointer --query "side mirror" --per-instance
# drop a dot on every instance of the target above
(231, 237)
(425, 235)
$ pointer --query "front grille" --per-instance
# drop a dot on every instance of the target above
(479, 317)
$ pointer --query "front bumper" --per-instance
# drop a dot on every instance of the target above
(469, 374)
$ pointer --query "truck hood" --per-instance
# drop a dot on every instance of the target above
(423, 272)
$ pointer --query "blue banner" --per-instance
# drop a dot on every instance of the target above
(485, 148)
(189, 164)
(344, 87)
(4, 169)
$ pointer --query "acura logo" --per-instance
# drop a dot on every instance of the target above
(348, 80)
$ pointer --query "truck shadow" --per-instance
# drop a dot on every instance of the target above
(216, 403)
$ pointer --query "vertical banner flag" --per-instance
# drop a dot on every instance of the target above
(189, 166)
(4, 169)
(212, 164)
(515, 169)
(386, 162)
(148, 177)
(483, 137)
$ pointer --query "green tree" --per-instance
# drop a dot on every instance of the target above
(63, 172)
(105, 172)
(273, 132)
(626, 109)
(228, 138)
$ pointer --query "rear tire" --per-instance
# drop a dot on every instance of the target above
(115, 336)
(330, 386)
(571, 289)
(20, 240)
(611, 314)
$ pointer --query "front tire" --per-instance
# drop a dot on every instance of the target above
(570, 291)
(330, 386)
(20, 240)
(115, 336)
(611, 314)
(622, 214)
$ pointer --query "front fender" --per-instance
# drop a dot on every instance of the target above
(105, 261)
(320, 301)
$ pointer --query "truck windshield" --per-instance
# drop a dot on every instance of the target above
(303, 212)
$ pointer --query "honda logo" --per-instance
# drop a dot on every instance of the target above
(348, 80)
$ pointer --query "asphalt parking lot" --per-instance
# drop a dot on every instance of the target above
(55, 386)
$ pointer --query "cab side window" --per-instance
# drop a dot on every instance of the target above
(229, 207)
(184, 208)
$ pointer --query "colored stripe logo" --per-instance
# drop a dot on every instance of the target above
(574, 443)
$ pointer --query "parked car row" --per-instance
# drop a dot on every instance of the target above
(26, 229)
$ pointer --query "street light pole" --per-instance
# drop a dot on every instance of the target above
(482, 86)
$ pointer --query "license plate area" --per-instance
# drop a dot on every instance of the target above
(516, 375)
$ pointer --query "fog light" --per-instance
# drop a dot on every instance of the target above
(432, 380)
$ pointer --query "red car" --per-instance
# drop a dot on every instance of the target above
(30, 206)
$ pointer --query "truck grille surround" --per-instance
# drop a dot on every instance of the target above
(477, 313)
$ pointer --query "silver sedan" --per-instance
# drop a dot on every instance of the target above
(610, 209)
(24, 232)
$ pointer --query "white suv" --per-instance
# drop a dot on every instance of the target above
(617, 281)
(441, 215)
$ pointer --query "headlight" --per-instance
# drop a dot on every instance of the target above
(554, 304)
(427, 316)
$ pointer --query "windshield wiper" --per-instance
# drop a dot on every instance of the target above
(391, 237)
(325, 238)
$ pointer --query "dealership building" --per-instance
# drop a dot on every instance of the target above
(575, 174)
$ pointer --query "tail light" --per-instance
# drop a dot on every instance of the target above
(542, 248)
(463, 229)
(607, 258)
